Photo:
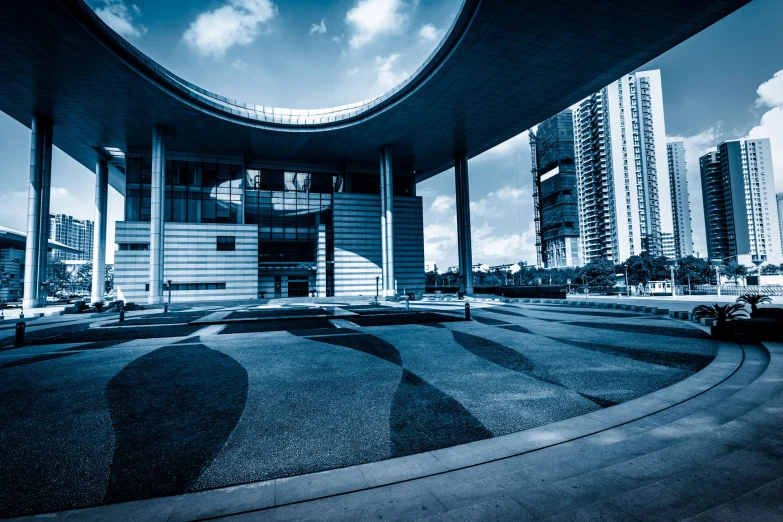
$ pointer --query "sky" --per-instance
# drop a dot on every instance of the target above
(724, 83)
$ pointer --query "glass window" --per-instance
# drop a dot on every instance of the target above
(226, 243)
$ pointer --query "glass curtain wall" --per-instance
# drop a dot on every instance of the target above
(196, 191)
(288, 208)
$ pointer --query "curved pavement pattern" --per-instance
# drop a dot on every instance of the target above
(117, 420)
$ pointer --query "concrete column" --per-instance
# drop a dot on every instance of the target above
(37, 199)
(156, 214)
(99, 230)
(465, 251)
(320, 262)
(387, 228)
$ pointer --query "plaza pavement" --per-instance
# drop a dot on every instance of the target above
(297, 401)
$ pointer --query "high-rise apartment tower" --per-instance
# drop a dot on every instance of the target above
(738, 188)
(681, 210)
(554, 175)
(624, 193)
(76, 233)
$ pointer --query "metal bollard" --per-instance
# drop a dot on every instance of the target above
(165, 308)
(19, 339)
(467, 311)
(122, 314)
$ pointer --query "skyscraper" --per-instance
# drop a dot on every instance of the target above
(681, 210)
(554, 177)
(738, 188)
(779, 198)
(620, 138)
(76, 233)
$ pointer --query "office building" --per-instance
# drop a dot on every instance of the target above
(76, 233)
(624, 192)
(738, 187)
(681, 237)
(556, 199)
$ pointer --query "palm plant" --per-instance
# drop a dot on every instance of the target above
(754, 300)
(721, 313)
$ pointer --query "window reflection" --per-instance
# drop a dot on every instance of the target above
(196, 191)
(289, 208)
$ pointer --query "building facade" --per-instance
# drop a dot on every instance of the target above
(738, 188)
(682, 236)
(556, 194)
(240, 230)
(624, 192)
(779, 200)
(76, 233)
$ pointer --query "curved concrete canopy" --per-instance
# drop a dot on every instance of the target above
(502, 67)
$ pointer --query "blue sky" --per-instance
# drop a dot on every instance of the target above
(720, 84)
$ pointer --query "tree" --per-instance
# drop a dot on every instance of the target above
(430, 278)
(58, 277)
(638, 270)
(694, 270)
(599, 272)
(770, 270)
(108, 278)
(735, 270)
(5, 278)
(83, 277)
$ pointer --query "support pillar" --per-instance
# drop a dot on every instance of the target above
(158, 192)
(320, 262)
(99, 230)
(387, 229)
(37, 203)
(465, 251)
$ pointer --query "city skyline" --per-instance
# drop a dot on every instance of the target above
(735, 106)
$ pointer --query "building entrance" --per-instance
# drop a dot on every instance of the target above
(298, 286)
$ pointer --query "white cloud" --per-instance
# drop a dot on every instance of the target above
(443, 204)
(771, 126)
(238, 64)
(236, 23)
(508, 248)
(318, 28)
(508, 193)
(428, 32)
(440, 240)
(372, 18)
(122, 18)
(510, 148)
(387, 76)
(771, 92)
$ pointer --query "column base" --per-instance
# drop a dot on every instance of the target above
(154, 300)
(33, 303)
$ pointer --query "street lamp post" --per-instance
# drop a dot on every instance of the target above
(674, 288)
(377, 280)
(627, 287)
(717, 278)
(166, 308)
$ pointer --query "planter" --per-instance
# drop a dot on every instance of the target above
(722, 332)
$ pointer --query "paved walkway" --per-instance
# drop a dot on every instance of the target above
(708, 447)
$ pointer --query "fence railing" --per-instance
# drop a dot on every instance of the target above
(769, 290)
